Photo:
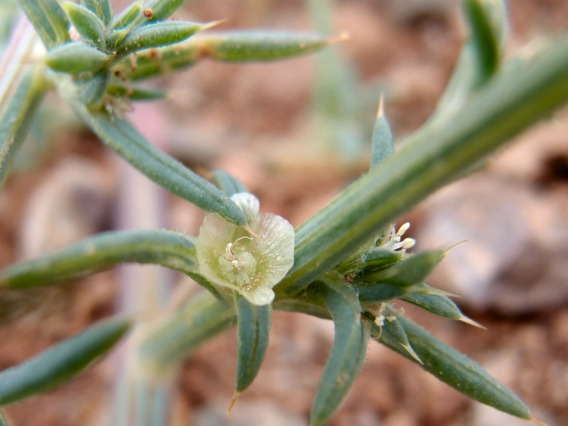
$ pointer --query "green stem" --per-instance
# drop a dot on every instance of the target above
(431, 158)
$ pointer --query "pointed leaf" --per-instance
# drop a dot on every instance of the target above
(121, 136)
(383, 142)
(381, 258)
(253, 332)
(242, 46)
(60, 363)
(86, 23)
(48, 19)
(373, 293)
(439, 305)
(455, 369)
(127, 17)
(158, 35)
(227, 183)
(480, 55)
(348, 352)
(171, 249)
(484, 38)
(412, 270)
(76, 57)
(101, 8)
(17, 116)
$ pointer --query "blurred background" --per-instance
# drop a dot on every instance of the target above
(296, 132)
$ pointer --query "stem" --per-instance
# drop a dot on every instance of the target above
(430, 159)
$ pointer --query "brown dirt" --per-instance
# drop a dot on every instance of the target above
(253, 120)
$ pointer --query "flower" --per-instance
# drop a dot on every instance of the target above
(249, 263)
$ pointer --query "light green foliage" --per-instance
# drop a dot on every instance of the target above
(86, 23)
(75, 58)
(253, 332)
(101, 8)
(61, 362)
(348, 352)
(346, 263)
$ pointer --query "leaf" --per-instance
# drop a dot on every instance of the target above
(479, 57)
(123, 138)
(229, 46)
(253, 332)
(86, 23)
(158, 35)
(60, 363)
(48, 19)
(348, 352)
(101, 8)
(267, 45)
(383, 142)
(227, 183)
(455, 369)
(17, 116)
(127, 17)
(484, 39)
(439, 305)
(413, 269)
(171, 249)
(76, 57)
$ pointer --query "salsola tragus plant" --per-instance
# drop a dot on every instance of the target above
(347, 263)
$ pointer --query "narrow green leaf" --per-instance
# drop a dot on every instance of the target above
(61, 362)
(243, 46)
(16, 118)
(171, 249)
(373, 293)
(413, 269)
(158, 35)
(348, 352)
(87, 24)
(164, 346)
(101, 8)
(484, 39)
(394, 329)
(455, 369)
(479, 56)
(253, 331)
(76, 57)
(48, 19)
(127, 16)
(121, 136)
(439, 305)
(227, 183)
(381, 258)
(231, 46)
(383, 142)
(136, 93)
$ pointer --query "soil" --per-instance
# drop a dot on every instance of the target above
(257, 121)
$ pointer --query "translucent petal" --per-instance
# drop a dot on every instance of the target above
(231, 257)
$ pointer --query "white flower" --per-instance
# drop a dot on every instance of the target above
(250, 264)
(394, 243)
